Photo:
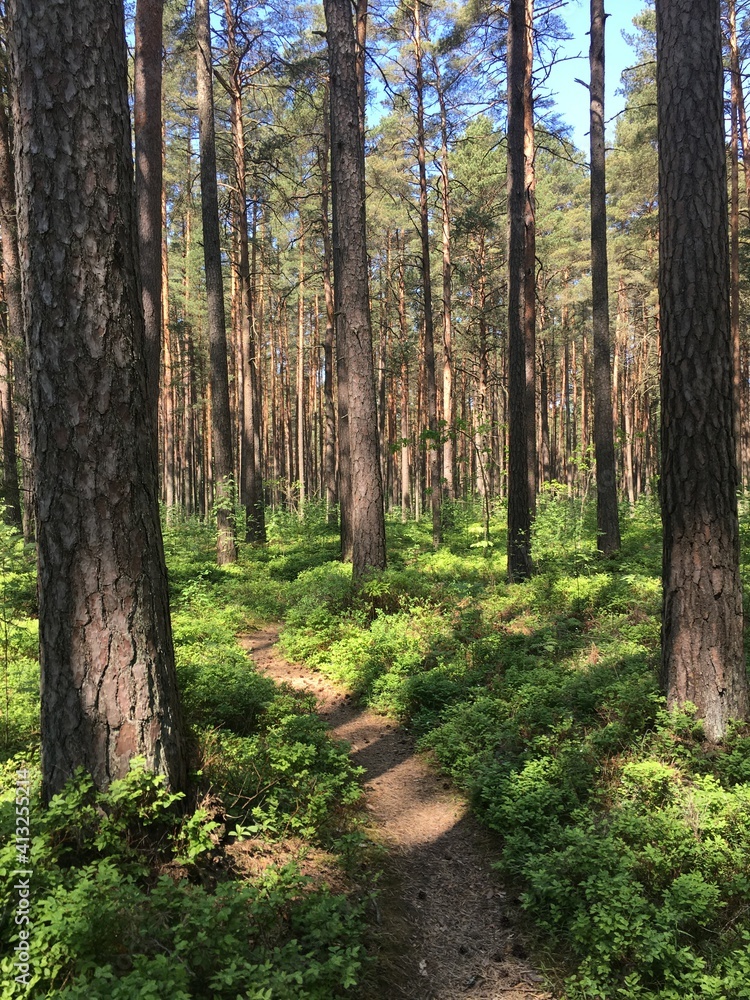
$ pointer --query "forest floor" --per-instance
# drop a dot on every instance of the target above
(446, 928)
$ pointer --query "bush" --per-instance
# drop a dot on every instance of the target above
(108, 922)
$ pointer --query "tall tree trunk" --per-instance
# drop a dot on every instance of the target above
(12, 498)
(734, 231)
(405, 449)
(12, 342)
(352, 294)
(167, 390)
(108, 683)
(250, 480)
(329, 417)
(544, 408)
(148, 179)
(607, 521)
(301, 466)
(519, 501)
(433, 443)
(217, 337)
(360, 46)
(448, 416)
(529, 290)
(702, 646)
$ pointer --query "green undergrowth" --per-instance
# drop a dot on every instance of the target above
(626, 833)
(245, 890)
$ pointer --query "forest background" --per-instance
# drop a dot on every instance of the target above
(628, 826)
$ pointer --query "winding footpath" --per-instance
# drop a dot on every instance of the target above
(446, 929)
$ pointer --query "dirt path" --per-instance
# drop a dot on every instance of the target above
(446, 928)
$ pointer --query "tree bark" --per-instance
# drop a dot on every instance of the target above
(352, 294)
(12, 342)
(529, 290)
(519, 501)
(607, 520)
(702, 645)
(329, 413)
(301, 465)
(250, 480)
(221, 430)
(12, 497)
(734, 229)
(108, 685)
(433, 441)
(448, 405)
(148, 179)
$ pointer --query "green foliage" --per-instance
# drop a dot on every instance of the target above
(137, 896)
(290, 779)
(19, 683)
(111, 919)
(624, 831)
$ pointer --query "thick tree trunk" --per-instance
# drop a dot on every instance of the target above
(223, 465)
(351, 293)
(702, 647)
(148, 179)
(108, 682)
(608, 525)
(519, 501)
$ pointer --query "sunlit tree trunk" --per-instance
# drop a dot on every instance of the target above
(352, 294)
(519, 501)
(734, 229)
(529, 289)
(329, 417)
(221, 431)
(702, 646)
(148, 179)
(429, 327)
(607, 520)
(108, 684)
(448, 404)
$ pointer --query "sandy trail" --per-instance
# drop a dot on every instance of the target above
(446, 928)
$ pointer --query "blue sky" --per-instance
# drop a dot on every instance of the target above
(571, 98)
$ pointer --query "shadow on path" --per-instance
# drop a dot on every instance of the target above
(445, 927)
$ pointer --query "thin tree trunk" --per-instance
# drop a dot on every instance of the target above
(14, 332)
(329, 425)
(429, 334)
(608, 525)
(12, 505)
(448, 404)
(405, 449)
(519, 501)
(148, 179)
(223, 464)
(734, 232)
(529, 291)
(301, 467)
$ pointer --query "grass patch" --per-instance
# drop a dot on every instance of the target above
(624, 831)
(140, 894)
